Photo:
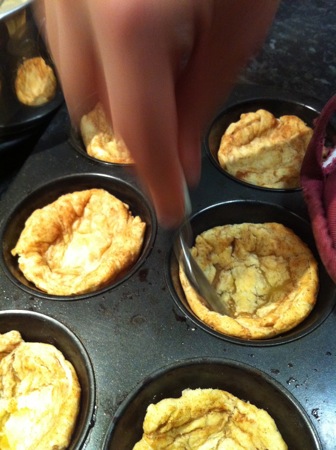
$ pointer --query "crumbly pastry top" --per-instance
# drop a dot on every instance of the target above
(79, 243)
(39, 395)
(265, 151)
(207, 419)
(35, 82)
(265, 274)
(100, 140)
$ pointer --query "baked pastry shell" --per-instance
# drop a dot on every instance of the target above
(239, 379)
(14, 224)
(240, 211)
(76, 142)
(37, 327)
(277, 106)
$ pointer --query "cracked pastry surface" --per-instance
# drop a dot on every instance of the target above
(39, 395)
(265, 151)
(35, 82)
(207, 419)
(265, 274)
(100, 140)
(79, 243)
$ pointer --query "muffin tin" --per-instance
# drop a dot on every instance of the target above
(15, 117)
(125, 192)
(278, 108)
(242, 380)
(77, 142)
(140, 334)
(240, 211)
(36, 327)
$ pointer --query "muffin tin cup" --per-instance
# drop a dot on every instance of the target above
(16, 117)
(240, 211)
(76, 142)
(46, 194)
(277, 106)
(37, 327)
(241, 380)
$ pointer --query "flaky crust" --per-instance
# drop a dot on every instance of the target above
(100, 140)
(35, 82)
(207, 419)
(265, 151)
(79, 243)
(265, 274)
(40, 396)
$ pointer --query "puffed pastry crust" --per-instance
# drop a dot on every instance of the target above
(207, 419)
(79, 243)
(39, 395)
(99, 139)
(263, 272)
(265, 151)
(35, 82)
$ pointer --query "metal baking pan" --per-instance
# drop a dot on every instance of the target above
(136, 328)
(125, 192)
(15, 117)
(37, 327)
(277, 106)
(240, 211)
(242, 380)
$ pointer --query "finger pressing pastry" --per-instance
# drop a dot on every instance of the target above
(100, 140)
(39, 395)
(207, 419)
(263, 272)
(265, 151)
(35, 82)
(79, 243)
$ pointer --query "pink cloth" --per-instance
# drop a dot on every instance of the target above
(318, 181)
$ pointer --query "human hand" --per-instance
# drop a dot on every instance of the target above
(161, 70)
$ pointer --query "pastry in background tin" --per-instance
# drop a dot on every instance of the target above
(263, 272)
(99, 139)
(265, 151)
(39, 395)
(15, 23)
(79, 243)
(35, 82)
(207, 419)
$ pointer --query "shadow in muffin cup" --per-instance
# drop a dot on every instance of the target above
(277, 106)
(241, 380)
(37, 327)
(242, 211)
(46, 194)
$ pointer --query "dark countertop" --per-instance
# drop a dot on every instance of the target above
(297, 58)
(299, 54)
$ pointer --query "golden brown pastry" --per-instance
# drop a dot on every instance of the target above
(39, 395)
(265, 151)
(16, 23)
(79, 243)
(99, 138)
(263, 272)
(207, 419)
(35, 82)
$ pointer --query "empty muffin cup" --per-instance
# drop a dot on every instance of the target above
(276, 106)
(46, 194)
(240, 380)
(250, 211)
(37, 327)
